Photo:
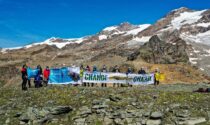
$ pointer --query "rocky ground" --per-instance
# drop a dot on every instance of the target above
(142, 105)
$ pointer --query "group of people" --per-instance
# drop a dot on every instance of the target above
(40, 78)
(116, 69)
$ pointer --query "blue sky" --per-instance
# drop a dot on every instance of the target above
(26, 21)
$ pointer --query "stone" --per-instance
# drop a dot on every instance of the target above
(143, 122)
(84, 111)
(45, 120)
(185, 107)
(173, 106)
(24, 119)
(153, 122)
(18, 114)
(80, 120)
(7, 121)
(138, 123)
(156, 115)
(61, 110)
(22, 123)
(100, 111)
(208, 114)
(118, 121)
(55, 120)
(114, 98)
(50, 103)
(194, 121)
(2, 112)
(129, 120)
(146, 114)
(133, 103)
(107, 121)
(183, 114)
(97, 102)
(100, 106)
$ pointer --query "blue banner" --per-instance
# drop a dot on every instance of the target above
(62, 76)
(32, 73)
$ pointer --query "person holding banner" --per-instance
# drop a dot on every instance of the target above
(141, 71)
(29, 79)
(116, 69)
(88, 68)
(38, 78)
(95, 68)
(157, 76)
(104, 70)
(46, 75)
(81, 74)
(129, 71)
(24, 77)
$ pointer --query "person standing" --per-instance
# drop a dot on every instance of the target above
(116, 69)
(46, 75)
(95, 68)
(141, 71)
(88, 69)
(29, 79)
(104, 70)
(129, 71)
(24, 77)
(38, 77)
(157, 77)
(81, 74)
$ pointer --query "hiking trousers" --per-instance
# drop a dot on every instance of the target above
(24, 82)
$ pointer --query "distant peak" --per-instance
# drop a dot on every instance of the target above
(181, 9)
(125, 24)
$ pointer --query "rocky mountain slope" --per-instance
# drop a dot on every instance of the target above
(180, 39)
(144, 105)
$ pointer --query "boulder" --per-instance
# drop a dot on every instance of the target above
(156, 115)
(114, 98)
(153, 122)
(61, 110)
(164, 52)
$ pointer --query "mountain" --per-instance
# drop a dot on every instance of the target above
(178, 44)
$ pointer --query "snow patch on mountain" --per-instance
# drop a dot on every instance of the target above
(138, 41)
(102, 37)
(199, 38)
(142, 39)
(59, 45)
(137, 30)
(203, 25)
(4, 50)
(186, 18)
(50, 42)
(193, 61)
(110, 28)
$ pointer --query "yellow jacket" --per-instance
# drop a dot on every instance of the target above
(81, 73)
(157, 76)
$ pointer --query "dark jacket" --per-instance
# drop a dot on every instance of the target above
(104, 70)
(24, 73)
(141, 71)
(129, 71)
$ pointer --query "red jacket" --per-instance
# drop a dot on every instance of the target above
(46, 73)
